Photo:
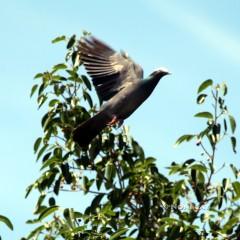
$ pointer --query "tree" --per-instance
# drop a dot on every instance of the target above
(131, 199)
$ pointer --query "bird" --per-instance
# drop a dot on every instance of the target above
(119, 83)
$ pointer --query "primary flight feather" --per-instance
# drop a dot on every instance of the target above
(119, 83)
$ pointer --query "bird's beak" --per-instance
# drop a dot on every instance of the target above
(165, 71)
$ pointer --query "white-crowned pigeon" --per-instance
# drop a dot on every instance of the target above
(119, 83)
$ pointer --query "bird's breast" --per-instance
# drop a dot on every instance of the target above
(125, 102)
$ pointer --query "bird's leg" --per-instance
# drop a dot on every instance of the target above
(116, 121)
(113, 121)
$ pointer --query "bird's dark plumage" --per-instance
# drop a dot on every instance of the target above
(117, 80)
(85, 132)
(110, 71)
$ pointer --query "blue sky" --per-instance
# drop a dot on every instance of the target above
(195, 40)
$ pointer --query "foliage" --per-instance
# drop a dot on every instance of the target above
(131, 199)
(7, 222)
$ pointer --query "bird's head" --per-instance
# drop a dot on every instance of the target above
(160, 72)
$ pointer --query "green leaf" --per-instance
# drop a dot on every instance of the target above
(225, 125)
(85, 184)
(234, 143)
(53, 102)
(205, 85)
(41, 151)
(232, 123)
(47, 212)
(184, 138)
(138, 150)
(37, 144)
(51, 201)
(73, 74)
(199, 167)
(194, 175)
(216, 129)
(179, 186)
(118, 234)
(59, 66)
(174, 233)
(59, 39)
(29, 189)
(235, 171)
(38, 75)
(236, 187)
(224, 89)
(34, 88)
(96, 202)
(232, 222)
(66, 173)
(36, 232)
(6, 221)
(41, 89)
(68, 214)
(88, 98)
(71, 41)
(204, 115)
(169, 220)
(205, 132)
(57, 185)
(41, 100)
(50, 161)
(39, 206)
(58, 90)
(220, 192)
(188, 162)
(32, 221)
(199, 193)
(201, 98)
(99, 181)
(225, 183)
(109, 171)
(86, 82)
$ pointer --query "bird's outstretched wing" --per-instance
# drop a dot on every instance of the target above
(110, 71)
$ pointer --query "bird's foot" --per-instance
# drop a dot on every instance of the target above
(113, 121)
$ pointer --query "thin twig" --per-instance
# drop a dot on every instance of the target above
(78, 190)
(205, 150)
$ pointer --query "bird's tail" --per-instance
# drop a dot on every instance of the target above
(89, 129)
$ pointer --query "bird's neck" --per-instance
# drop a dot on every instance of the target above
(151, 82)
